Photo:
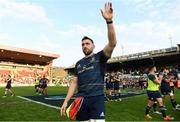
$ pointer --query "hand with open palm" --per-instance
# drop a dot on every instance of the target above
(107, 13)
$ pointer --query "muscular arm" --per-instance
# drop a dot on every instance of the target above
(117, 79)
(72, 89)
(169, 79)
(156, 81)
(107, 14)
(108, 49)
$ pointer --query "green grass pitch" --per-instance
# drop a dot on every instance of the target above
(129, 109)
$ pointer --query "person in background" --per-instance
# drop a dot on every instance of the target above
(8, 80)
(154, 94)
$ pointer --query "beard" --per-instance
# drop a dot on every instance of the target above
(87, 51)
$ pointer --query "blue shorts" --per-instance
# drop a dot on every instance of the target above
(108, 86)
(153, 95)
(116, 85)
(111, 85)
(92, 108)
(166, 91)
(8, 86)
(44, 86)
(36, 86)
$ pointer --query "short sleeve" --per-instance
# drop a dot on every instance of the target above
(152, 77)
(103, 57)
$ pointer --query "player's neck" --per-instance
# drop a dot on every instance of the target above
(87, 56)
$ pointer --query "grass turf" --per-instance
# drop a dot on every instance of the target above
(129, 109)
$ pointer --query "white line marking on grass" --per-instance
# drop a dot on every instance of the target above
(48, 98)
(133, 96)
(124, 98)
(51, 106)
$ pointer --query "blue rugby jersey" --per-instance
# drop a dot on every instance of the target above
(90, 74)
(164, 84)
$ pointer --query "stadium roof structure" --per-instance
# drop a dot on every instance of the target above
(148, 54)
(162, 57)
(25, 56)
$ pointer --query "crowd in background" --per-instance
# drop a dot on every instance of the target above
(136, 78)
(20, 77)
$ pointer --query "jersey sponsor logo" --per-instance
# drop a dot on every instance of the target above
(79, 66)
(85, 69)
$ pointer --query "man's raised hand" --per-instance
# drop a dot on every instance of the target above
(107, 13)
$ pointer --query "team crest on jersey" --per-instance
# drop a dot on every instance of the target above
(78, 66)
(92, 59)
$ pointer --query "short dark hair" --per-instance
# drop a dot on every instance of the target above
(85, 37)
(151, 67)
(163, 68)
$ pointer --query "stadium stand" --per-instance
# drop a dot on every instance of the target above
(24, 64)
(133, 67)
(140, 61)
